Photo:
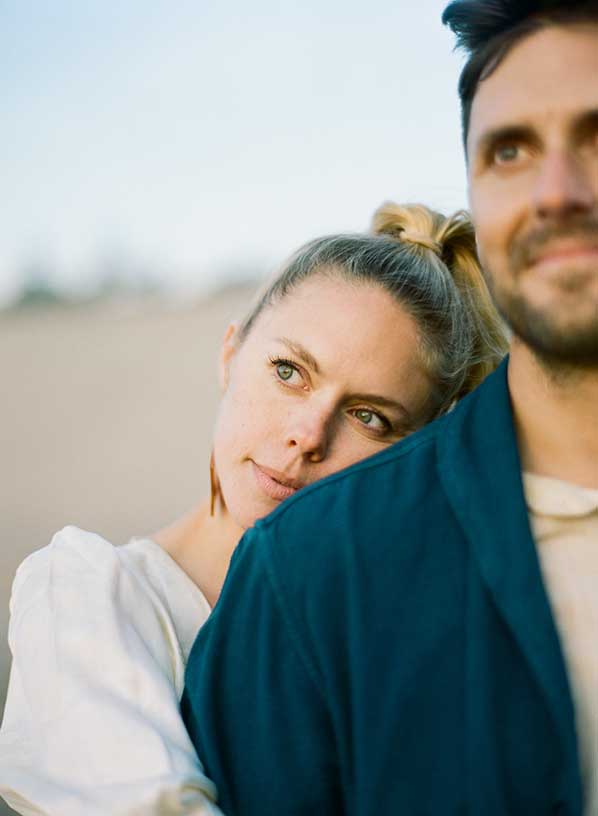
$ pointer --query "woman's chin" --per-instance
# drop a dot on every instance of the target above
(246, 517)
(249, 503)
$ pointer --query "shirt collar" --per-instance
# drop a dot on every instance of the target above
(546, 496)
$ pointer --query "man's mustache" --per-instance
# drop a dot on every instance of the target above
(528, 249)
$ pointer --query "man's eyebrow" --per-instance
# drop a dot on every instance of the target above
(489, 140)
(586, 122)
(301, 352)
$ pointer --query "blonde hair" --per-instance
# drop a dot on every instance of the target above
(448, 245)
(429, 264)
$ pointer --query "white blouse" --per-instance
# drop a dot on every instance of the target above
(100, 636)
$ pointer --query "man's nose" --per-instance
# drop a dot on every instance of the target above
(564, 185)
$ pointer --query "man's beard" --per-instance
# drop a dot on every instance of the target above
(556, 345)
(555, 341)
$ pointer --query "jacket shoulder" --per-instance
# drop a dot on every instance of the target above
(379, 515)
(360, 488)
(356, 524)
(405, 471)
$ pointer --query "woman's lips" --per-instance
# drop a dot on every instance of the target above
(271, 486)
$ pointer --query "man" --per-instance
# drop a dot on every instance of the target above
(419, 634)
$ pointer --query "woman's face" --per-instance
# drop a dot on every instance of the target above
(327, 376)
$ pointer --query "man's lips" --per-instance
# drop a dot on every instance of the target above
(274, 484)
(564, 253)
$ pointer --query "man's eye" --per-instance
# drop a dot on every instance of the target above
(506, 154)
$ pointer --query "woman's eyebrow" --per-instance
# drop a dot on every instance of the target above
(301, 352)
(310, 360)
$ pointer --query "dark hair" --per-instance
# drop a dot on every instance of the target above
(429, 264)
(488, 29)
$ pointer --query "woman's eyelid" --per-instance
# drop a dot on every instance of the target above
(276, 361)
(382, 418)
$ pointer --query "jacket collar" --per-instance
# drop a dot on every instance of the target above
(480, 471)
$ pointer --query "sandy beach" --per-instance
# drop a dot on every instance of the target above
(107, 414)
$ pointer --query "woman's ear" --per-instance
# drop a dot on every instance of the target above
(227, 352)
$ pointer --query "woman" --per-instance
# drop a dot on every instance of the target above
(358, 342)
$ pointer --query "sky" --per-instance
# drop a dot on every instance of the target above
(193, 140)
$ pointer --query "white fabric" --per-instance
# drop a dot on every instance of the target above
(100, 636)
(564, 520)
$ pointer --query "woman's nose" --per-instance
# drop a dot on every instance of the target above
(309, 432)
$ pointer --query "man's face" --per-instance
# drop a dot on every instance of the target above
(533, 178)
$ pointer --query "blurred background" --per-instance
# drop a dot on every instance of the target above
(158, 159)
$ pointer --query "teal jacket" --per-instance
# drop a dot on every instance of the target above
(384, 644)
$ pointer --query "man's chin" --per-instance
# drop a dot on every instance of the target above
(562, 329)
(576, 275)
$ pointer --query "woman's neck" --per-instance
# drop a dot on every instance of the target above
(202, 546)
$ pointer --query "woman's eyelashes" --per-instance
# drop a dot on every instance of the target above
(287, 372)
(372, 420)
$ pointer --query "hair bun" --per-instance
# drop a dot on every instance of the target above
(453, 252)
(410, 224)
(426, 241)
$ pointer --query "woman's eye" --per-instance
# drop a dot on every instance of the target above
(285, 371)
(371, 419)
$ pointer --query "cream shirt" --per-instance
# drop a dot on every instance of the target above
(564, 521)
(100, 636)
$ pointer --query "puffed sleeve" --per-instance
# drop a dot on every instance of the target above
(92, 722)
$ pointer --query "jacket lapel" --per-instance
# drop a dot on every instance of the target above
(481, 474)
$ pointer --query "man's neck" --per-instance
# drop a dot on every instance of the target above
(556, 418)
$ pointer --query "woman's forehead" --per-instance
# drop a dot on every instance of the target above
(321, 300)
(353, 329)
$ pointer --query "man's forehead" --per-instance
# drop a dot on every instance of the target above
(551, 74)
